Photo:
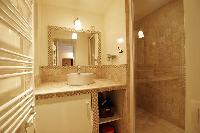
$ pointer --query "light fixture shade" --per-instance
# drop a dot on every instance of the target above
(120, 40)
(53, 47)
(77, 24)
(74, 36)
(140, 34)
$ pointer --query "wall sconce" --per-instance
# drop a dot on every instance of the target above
(120, 41)
(74, 36)
(140, 34)
(77, 24)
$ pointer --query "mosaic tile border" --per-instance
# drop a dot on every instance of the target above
(95, 110)
(78, 92)
(51, 29)
(94, 66)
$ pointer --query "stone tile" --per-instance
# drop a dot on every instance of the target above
(148, 123)
(160, 67)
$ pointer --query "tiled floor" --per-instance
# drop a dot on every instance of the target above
(148, 123)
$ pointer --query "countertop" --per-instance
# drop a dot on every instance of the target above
(51, 89)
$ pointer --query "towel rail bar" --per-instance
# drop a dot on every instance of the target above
(14, 60)
(14, 67)
(15, 107)
(14, 74)
(10, 119)
(16, 99)
(19, 120)
(22, 120)
(15, 53)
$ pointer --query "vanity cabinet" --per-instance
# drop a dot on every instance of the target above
(69, 114)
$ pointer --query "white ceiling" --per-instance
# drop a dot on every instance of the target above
(145, 7)
(142, 7)
(94, 6)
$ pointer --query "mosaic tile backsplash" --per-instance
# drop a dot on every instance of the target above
(56, 73)
(160, 87)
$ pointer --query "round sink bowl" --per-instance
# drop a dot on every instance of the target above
(80, 78)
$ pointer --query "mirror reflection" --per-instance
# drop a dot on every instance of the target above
(75, 48)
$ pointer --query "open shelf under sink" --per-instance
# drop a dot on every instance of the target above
(116, 117)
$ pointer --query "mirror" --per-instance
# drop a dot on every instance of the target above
(70, 47)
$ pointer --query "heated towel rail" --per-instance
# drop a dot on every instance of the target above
(17, 111)
(16, 65)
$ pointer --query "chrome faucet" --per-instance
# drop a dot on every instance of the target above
(78, 69)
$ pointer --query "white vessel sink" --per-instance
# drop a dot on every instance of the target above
(80, 78)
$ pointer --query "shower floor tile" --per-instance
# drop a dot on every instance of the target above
(148, 123)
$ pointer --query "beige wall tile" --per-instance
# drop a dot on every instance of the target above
(160, 63)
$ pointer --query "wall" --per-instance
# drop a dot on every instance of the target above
(192, 40)
(114, 27)
(58, 16)
(160, 63)
(81, 49)
(109, 24)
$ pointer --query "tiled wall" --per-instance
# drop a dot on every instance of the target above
(160, 63)
(56, 73)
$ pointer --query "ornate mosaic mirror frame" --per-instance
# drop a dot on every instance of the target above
(52, 29)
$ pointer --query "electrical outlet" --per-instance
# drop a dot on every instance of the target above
(196, 115)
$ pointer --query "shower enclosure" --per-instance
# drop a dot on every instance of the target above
(159, 55)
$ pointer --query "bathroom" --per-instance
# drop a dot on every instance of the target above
(99, 66)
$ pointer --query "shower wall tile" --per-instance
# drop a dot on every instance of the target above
(37, 79)
(160, 63)
(163, 44)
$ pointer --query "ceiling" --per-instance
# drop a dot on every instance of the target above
(94, 6)
(145, 7)
(142, 7)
